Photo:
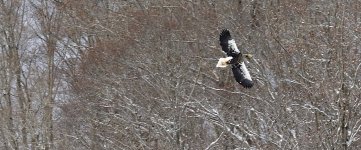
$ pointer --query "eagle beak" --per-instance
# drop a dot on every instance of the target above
(248, 56)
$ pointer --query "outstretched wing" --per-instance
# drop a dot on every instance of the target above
(241, 74)
(228, 44)
(239, 69)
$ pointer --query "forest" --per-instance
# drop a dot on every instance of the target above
(142, 75)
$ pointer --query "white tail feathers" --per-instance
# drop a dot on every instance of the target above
(222, 62)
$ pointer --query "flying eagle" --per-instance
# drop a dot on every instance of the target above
(235, 59)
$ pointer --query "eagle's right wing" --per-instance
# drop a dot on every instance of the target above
(228, 44)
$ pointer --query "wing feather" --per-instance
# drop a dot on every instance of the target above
(239, 69)
(241, 74)
(224, 37)
(228, 44)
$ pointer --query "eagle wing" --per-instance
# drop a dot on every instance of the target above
(239, 69)
(241, 74)
(228, 44)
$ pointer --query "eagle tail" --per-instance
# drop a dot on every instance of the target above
(222, 62)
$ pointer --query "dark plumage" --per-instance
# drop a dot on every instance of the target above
(229, 46)
(239, 69)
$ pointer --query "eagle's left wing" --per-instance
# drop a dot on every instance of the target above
(241, 74)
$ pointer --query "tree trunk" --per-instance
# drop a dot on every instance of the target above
(49, 104)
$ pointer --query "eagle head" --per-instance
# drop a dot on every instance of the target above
(248, 56)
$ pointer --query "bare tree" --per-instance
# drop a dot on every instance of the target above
(109, 74)
(14, 104)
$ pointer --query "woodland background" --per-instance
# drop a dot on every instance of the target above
(139, 74)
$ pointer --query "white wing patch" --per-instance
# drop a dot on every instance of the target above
(245, 72)
(233, 46)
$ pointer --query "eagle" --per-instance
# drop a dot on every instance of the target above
(235, 59)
